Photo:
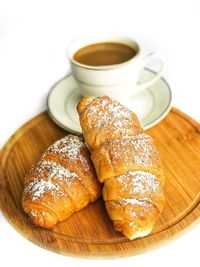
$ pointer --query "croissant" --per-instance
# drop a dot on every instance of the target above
(127, 162)
(62, 182)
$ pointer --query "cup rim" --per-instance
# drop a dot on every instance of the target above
(74, 47)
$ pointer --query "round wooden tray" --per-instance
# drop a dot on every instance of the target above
(89, 232)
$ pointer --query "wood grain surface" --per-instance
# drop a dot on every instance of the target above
(89, 232)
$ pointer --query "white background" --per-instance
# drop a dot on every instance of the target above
(34, 37)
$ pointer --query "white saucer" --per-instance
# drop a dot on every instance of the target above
(151, 105)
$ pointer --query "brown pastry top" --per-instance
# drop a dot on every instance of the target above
(62, 182)
(127, 162)
(103, 119)
(129, 153)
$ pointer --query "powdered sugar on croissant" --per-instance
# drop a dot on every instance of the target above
(127, 162)
(62, 182)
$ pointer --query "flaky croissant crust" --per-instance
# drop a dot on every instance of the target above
(62, 182)
(127, 162)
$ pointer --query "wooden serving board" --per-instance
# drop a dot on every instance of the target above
(90, 231)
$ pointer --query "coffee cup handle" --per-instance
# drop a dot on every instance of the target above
(157, 75)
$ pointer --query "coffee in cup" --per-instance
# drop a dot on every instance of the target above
(103, 54)
(110, 66)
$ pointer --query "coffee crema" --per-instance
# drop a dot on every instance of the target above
(102, 54)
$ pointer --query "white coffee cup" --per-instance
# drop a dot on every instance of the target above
(119, 81)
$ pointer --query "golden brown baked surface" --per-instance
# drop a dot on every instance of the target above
(126, 153)
(103, 119)
(127, 161)
(62, 182)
